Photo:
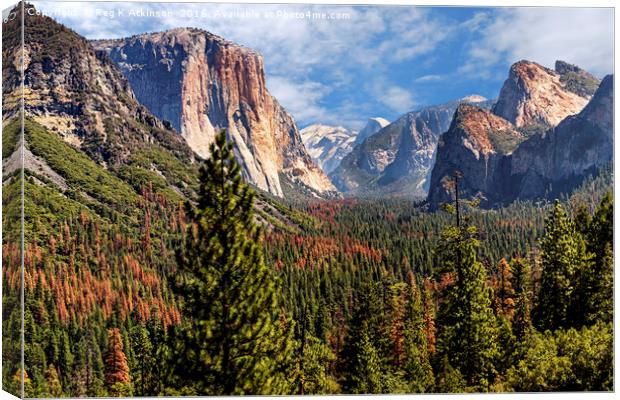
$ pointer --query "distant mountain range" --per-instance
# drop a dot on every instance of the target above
(328, 145)
(396, 160)
(174, 90)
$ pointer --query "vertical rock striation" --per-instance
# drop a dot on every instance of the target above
(201, 83)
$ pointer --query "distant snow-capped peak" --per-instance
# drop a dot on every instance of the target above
(327, 145)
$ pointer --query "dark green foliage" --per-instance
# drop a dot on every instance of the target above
(416, 366)
(322, 258)
(142, 348)
(233, 340)
(10, 137)
(581, 84)
(594, 292)
(564, 257)
(521, 321)
(505, 143)
(361, 359)
(467, 328)
(315, 376)
(77, 169)
(449, 380)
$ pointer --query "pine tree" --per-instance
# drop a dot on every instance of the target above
(467, 330)
(417, 367)
(233, 341)
(53, 381)
(315, 374)
(594, 292)
(361, 359)
(116, 369)
(430, 330)
(564, 255)
(504, 292)
(521, 322)
(449, 380)
(142, 349)
(66, 359)
(368, 377)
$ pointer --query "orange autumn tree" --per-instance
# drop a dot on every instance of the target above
(117, 377)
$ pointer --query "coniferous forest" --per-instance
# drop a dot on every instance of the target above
(237, 293)
(134, 264)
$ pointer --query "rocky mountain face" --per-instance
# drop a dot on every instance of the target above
(577, 80)
(477, 144)
(396, 160)
(373, 126)
(536, 97)
(559, 160)
(543, 136)
(79, 93)
(202, 83)
(327, 145)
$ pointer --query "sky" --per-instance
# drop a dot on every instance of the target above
(340, 65)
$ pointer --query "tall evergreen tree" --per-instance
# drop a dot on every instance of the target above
(504, 292)
(564, 256)
(142, 349)
(467, 327)
(361, 360)
(53, 381)
(234, 341)
(521, 322)
(594, 292)
(417, 367)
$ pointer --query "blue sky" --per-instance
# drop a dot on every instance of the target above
(347, 63)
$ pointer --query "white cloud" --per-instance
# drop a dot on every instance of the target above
(300, 98)
(368, 35)
(397, 98)
(429, 78)
(303, 98)
(582, 36)
(475, 22)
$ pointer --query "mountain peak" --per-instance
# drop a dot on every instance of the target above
(379, 120)
(327, 145)
(373, 125)
(183, 36)
(577, 80)
(534, 95)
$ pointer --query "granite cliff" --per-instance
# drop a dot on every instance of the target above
(78, 92)
(546, 133)
(534, 96)
(477, 144)
(201, 83)
(558, 160)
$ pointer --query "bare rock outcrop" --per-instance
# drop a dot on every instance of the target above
(202, 83)
(478, 144)
(503, 158)
(534, 96)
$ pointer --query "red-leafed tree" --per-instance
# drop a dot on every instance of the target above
(117, 377)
